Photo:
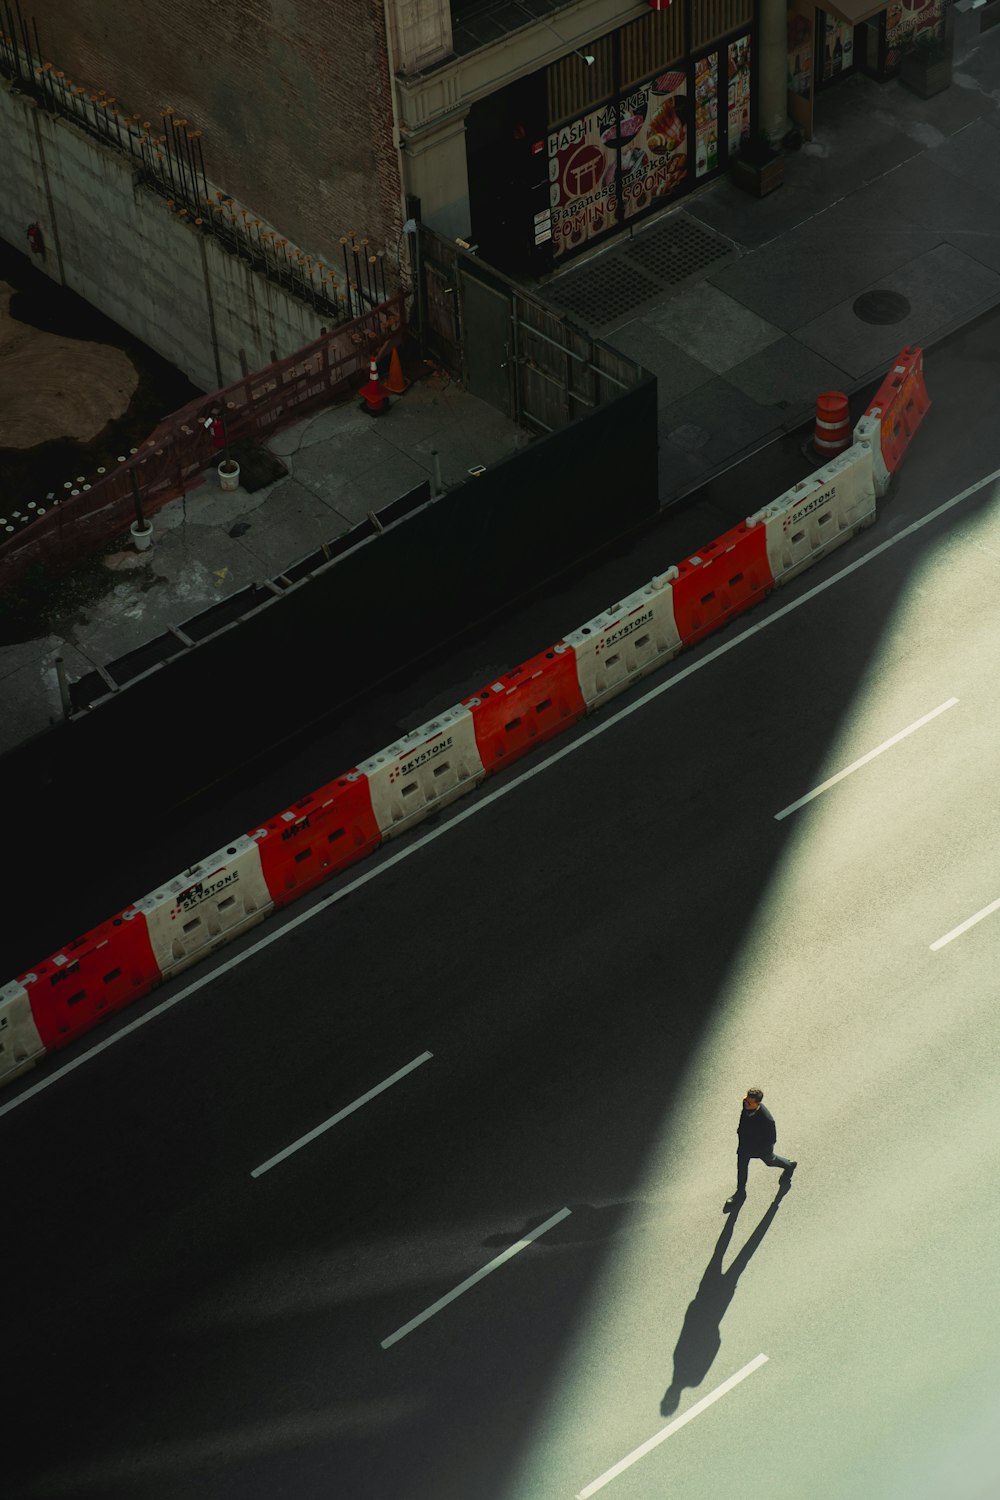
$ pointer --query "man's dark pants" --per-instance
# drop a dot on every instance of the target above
(743, 1161)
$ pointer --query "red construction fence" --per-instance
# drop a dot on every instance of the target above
(170, 461)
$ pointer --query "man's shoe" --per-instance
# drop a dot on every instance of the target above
(733, 1202)
(786, 1175)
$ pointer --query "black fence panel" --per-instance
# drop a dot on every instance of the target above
(191, 721)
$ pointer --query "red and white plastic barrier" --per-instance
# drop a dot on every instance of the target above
(206, 906)
(896, 411)
(809, 520)
(324, 833)
(423, 771)
(720, 581)
(21, 1046)
(99, 973)
(228, 892)
(625, 642)
(526, 707)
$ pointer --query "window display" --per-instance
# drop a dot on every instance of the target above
(838, 47)
(706, 112)
(654, 165)
(616, 161)
(739, 93)
(904, 22)
(642, 145)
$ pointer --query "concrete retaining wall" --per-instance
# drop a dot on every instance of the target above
(119, 246)
(294, 97)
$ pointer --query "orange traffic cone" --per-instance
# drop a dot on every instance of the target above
(395, 383)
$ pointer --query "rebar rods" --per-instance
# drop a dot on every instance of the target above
(172, 162)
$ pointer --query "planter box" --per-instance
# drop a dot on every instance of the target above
(758, 177)
(923, 77)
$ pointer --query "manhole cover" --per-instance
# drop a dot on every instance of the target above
(679, 249)
(881, 307)
(605, 291)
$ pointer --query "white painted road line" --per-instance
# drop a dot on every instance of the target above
(342, 1114)
(955, 932)
(671, 1427)
(484, 800)
(494, 1265)
(857, 764)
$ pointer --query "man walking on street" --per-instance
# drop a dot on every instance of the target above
(756, 1135)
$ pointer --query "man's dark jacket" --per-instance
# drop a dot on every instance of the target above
(757, 1132)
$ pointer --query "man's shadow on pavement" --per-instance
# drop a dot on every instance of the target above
(701, 1335)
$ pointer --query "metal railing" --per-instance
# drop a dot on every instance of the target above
(64, 530)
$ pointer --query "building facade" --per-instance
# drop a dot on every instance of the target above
(533, 130)
(827, 45)
(545, 129)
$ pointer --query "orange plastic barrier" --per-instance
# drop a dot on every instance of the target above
(318, 836)
(897, 410)
(101, 972)
(522, 709)
(723, 579)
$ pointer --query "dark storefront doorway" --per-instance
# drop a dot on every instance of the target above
(505, 143)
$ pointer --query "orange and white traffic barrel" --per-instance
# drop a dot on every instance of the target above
(833, 424)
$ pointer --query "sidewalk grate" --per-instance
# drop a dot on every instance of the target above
(677, 250)
(606, 290)
(630, 275)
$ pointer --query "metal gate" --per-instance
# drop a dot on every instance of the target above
(486, 313)
(508, 347)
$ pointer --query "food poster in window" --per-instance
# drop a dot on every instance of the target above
(801, 18)
(905, 22)
(838, 47)
(706, 114)
(738, 68)
(800, 54)
(654, 151)
(583, 168)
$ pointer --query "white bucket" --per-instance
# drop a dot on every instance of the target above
(229, 479)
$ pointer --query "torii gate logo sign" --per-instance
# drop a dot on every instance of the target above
(582, 171)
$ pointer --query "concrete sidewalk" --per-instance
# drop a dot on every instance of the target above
(744, 309)
(209, 544)
(896, 200)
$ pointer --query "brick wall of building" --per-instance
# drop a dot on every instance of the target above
(292, 96)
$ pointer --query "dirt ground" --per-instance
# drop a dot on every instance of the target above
(57, 387)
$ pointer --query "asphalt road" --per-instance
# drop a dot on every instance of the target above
(599, 951)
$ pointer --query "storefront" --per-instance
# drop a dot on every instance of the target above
(586, 149)
(827, 45)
